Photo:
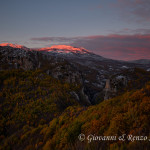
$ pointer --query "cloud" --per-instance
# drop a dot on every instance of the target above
(133, 31)
(115, 46)
(125, 47)
(135, 10)
(55, 40)
(52, 39)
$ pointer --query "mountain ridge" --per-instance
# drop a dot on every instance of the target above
(13, 45)
(54, 48)
(67, 50)
(141, 61)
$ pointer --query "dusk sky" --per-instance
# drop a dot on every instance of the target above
(117, 29)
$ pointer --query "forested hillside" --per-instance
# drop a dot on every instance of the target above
(40, 112)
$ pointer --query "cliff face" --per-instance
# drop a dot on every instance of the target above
(107, 90)
(16, 58)
(113, 86)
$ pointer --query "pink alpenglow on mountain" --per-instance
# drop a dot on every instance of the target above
(13, 45)
(64, 49)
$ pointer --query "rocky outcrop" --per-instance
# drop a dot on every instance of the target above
(17, 58)
(67, 73)
(85, 97)
(107, 90)
(113, 85)
(81, 97)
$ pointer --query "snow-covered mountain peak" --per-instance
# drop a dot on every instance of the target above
(64, 49)
(13, 45)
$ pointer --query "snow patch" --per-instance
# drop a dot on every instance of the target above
(148, 69)
(124, 67)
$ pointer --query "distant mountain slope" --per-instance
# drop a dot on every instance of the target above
(141, 61)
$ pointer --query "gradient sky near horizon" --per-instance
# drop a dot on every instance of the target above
(117, 29)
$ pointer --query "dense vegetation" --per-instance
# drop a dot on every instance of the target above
(126, 114)
(38, 112)
(31, 98)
